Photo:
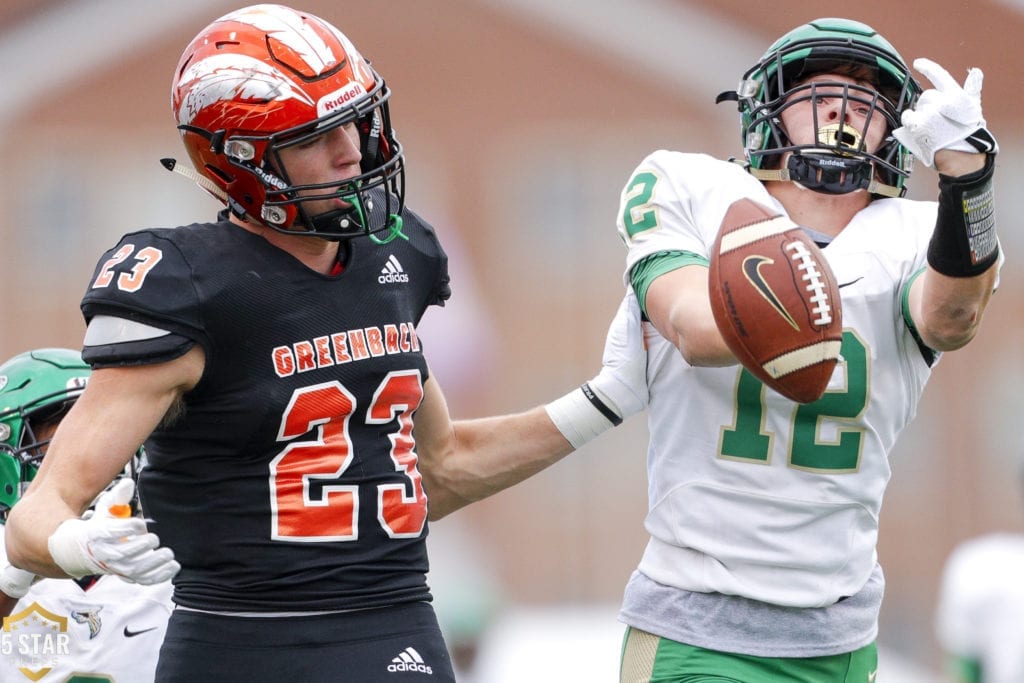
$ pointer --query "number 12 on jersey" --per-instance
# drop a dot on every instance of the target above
(746, 439)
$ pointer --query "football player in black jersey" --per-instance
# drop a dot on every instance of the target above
(271, 364)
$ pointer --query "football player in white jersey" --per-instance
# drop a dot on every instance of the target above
(97, 628)
(980, 616)
(763, 513)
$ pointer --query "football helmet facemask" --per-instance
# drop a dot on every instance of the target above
(838, 161)
(36, 388)
(266, 77)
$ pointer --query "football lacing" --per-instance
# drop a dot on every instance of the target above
(805, 262)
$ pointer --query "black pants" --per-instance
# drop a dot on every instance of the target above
(401, 643)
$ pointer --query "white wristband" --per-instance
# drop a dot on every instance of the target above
(15, 582)
(578, 417)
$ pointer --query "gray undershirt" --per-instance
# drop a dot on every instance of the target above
(730, 623)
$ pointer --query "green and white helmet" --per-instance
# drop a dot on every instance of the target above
(776, 82)
(36, 387)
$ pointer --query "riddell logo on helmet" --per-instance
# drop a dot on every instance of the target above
(340, 98)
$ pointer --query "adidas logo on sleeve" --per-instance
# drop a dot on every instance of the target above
(392, 272)
(409, 660)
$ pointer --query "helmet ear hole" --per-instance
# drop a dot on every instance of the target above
(217, 175)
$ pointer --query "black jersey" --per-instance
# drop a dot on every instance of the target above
(291, 481)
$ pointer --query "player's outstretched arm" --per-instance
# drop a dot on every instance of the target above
(469, 460)
(947, 311)
(679, 306)
(946, 129)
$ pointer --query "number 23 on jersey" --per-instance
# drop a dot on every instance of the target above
(328, 408)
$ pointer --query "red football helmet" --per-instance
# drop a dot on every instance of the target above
(266, 77)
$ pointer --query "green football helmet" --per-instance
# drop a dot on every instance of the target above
(837, 162)
(36, 387)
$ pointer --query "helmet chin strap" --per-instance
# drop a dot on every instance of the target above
(828, 173)
(335, 225)
(394, 230)
(830, 169)
(353, 220)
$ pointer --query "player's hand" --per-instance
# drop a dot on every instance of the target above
(622, 382)
(947, 116)
(106, 543)
(15, 582)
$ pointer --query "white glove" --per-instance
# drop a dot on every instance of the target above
(622, 382)
(947, 116)
(15, 582)
(107, 544)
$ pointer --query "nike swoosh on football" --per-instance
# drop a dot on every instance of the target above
(752, 271)
(851, 282)
(128, 633)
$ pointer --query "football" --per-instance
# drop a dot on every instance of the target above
(775, 301)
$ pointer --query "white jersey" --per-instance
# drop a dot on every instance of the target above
(751, 494)
(110, 632)
(980, 614)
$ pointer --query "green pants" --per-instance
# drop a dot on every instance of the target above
(647, 658)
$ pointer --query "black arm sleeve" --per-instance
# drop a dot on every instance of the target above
(964, 243)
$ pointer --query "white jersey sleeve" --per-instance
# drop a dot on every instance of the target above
(751, 494)
(675, 201)
(981, 603)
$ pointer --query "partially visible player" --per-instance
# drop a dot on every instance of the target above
(114, 628)
(980, 616)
